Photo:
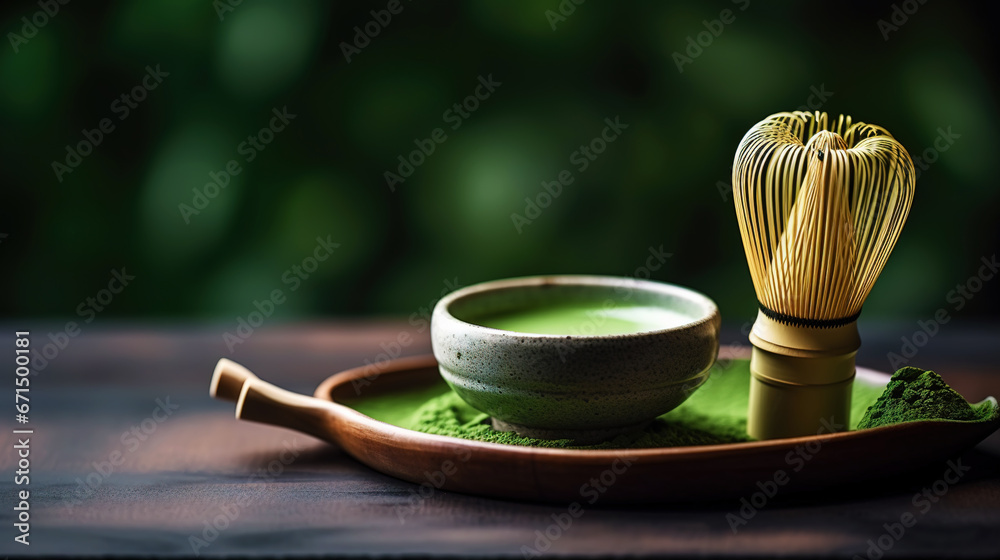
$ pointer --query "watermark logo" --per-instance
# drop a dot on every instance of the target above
(130, 441)
(696, 44)
(923, 501)
(796, 460)
(942, 143)
(900, 15)
(566, 8)
(293, 278)
(455, 116)
(392, 349)
(122, 107)
(230, 512)
(249, 149)
(86, 310)
(363, 35)
(38, 20)
(433, 482)
(581, 159)
(590, 492)
(959, 297)
(817, 98)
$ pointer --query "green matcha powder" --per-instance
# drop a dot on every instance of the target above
(915, 394)
(715, 413)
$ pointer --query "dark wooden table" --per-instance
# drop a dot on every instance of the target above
(130, 456)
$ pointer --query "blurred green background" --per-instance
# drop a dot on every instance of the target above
(661, 183)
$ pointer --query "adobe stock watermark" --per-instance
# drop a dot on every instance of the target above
(696, 44)
(225, 7)
(581, 159)
(363, 35)
(122, 107)
(131, 440)
(796, 460)
(942, 143)
(590, 492)
(392, 349)
(432, 483)
(958, 297)
(723, 364)
(566, 8)
(922, 501)
(249, 149)
(454, 115)
(292, 277)
(230, 512)
(598, 317)
(654, 261)
(87, 310)
(38, 20)
(900, 15)
(817, 98)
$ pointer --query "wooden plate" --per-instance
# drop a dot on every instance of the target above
(565, 476)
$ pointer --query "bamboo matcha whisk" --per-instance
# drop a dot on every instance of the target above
(820, 205)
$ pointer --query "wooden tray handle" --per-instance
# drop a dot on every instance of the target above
(228, 379)
(259, 401)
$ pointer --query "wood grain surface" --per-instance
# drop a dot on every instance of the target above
(276, 493)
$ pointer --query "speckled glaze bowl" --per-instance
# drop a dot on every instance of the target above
(585, 388)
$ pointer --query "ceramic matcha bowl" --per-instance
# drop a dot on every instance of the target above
(574, 357)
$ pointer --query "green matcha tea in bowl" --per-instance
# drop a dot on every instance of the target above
(584, 358)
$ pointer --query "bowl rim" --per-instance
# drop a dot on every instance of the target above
(710, 311)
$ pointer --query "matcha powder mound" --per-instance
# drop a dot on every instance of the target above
(915, 394)
(715, 414)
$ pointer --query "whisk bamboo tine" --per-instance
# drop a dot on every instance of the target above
(820, 203)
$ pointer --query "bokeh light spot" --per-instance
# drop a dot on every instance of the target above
(182, 165)
(265, 46)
